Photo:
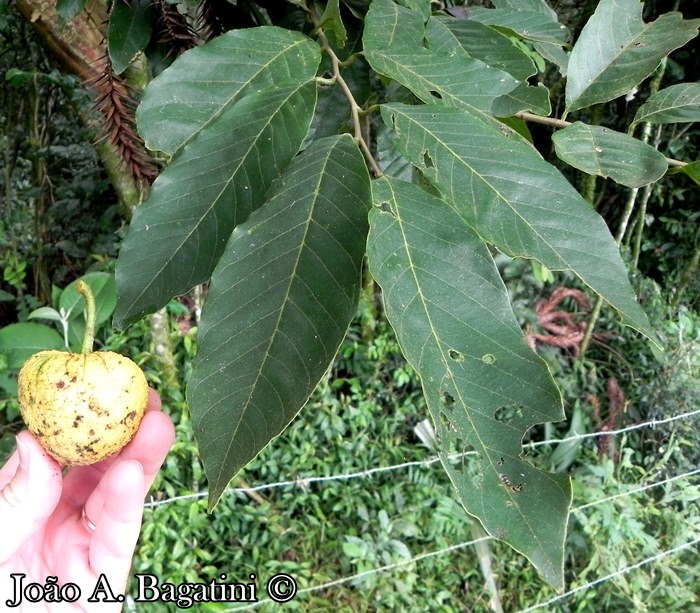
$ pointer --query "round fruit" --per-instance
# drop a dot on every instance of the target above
(82, 407)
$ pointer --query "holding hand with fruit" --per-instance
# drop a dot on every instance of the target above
(80, 526)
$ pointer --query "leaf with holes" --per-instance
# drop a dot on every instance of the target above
(616, 51)
(676, 104)
(202, 83)
(280, 302)
(393, 46)
(514, 199)
(217, 179)
(606, 153)
(484, 386)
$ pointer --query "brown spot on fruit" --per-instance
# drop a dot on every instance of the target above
(76, 405)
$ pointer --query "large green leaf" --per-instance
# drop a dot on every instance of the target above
(484, 386)
(607, 153)
(130, 26)
(491, 47)
(393, 45)
(280, 303)
(676, 104)
(18, 342)
(202, 83)
(616, 51)
(514, 199)
(178, 234)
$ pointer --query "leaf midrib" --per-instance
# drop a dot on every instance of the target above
(273, 335)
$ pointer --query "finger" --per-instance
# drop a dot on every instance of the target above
(118, 525)
(149, 448)
(151, 444)
(30, 496)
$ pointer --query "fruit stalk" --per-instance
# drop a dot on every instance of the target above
(89, 338)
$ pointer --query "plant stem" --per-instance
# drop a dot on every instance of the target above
(89, 337)
(691, 270)
(355, 109)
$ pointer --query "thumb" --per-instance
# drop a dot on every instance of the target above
(31, 483)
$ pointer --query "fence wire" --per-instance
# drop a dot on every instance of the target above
(305, 481)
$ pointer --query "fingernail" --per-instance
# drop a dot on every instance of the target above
(23, 451)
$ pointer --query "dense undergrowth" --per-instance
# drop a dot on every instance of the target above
(364, 416)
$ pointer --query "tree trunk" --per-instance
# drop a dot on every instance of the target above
(79, 46)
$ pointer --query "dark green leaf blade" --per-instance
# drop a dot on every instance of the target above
(514, 199)
(202, 83)
(607, 153)
(450, 309)
(491, 47)
(178, 234)
(534, 25)
(393, 46)
(279, 305)
(616, 51)
(523, 98)
(676, 104)
(130, 27)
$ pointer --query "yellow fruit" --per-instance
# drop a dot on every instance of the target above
(82, 407)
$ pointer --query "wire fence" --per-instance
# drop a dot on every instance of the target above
(304, 482)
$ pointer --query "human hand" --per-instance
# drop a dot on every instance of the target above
(82, 527)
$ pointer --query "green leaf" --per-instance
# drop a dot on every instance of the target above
(130, 27)
(514, 199)
(490, 46)
(555, 54)
(201, 84)
(692, 170)
(332, 22)
(390, 26)
(523, 98)
(217, 179)
(422, 7)
(45, 313)
(676, 104)
(534, 25)
(483, 385)
(280, 303)
(20, 341)
(616, 51)
(68, 9)
(393, 47)
(607, 153)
